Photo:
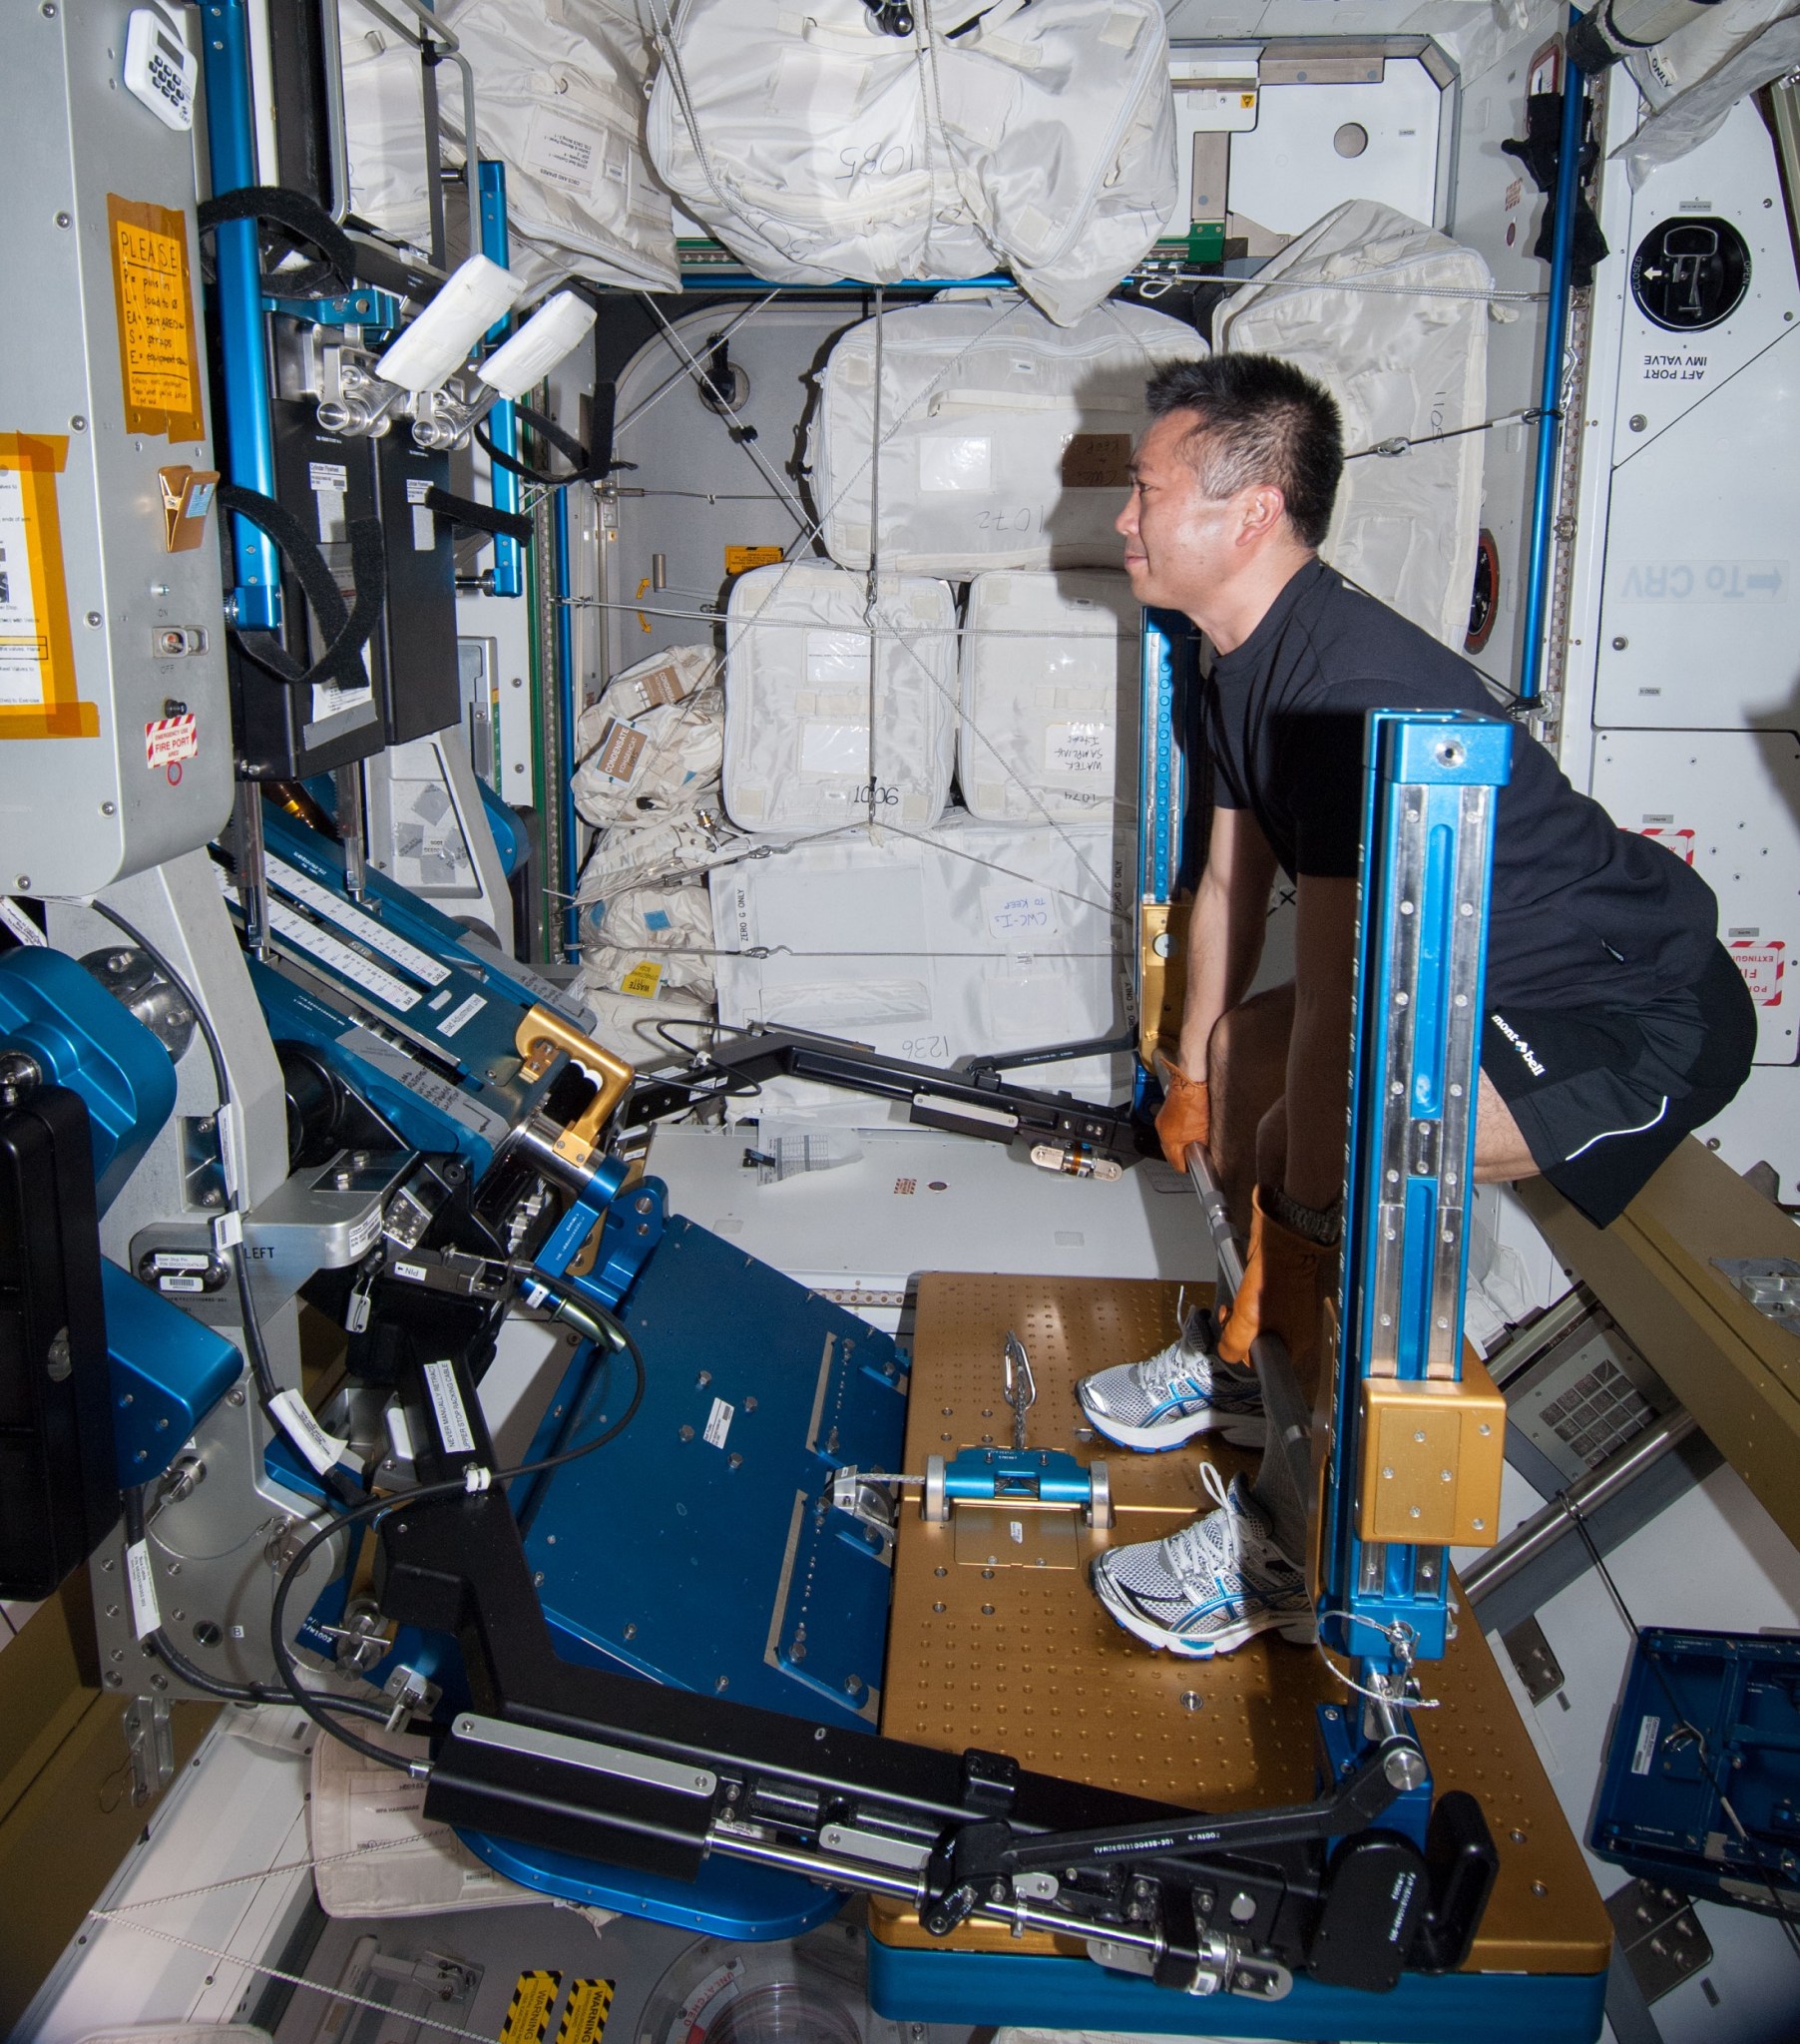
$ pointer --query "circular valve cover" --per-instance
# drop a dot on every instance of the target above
(1690, 273)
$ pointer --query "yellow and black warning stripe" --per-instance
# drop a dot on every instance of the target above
(585, 2019)
(528, 2016)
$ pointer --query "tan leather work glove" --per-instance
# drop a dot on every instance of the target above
(1282, 1290)
(1184, 1116)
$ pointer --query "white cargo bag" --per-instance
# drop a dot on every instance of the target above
(798, 691)
(626, 1024)
(816, 148)
(1050, 673)
(384, 126)
(680, 847)
(1005, 441)
(558, 96)
(661, 761)
(650, 938)
(1059, 118)
(670, 676)
(970, 939)
(1405, 527)
(797, 135)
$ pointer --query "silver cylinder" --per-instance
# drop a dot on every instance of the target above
(1533, 1538)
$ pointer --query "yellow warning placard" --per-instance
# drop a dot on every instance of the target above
(37, 655)
(642, 980)
(585, 2019)
(528, 2015)
(154, 301)
(739, 559)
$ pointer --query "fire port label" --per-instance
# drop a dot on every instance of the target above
(169, 739)
(1761, 963)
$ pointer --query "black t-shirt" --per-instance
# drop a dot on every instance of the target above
(1583, 913)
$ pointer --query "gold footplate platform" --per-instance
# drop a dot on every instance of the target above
(998, 1641)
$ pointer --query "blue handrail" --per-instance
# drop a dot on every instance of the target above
(255, 601)
(1549, 397)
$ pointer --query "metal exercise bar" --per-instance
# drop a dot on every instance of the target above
(1283, 1482)
(1430, 786)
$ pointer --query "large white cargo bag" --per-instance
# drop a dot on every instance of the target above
(797, 136)
(1050, 673)
(798, 693)
(559, 96)
(1060, 117)
(817, 148)
(1005, 441)
(1401, 363)
(972, 938)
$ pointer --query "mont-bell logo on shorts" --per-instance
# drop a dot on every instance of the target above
(1532, 1063)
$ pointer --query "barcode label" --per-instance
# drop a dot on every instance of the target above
(447, 1403)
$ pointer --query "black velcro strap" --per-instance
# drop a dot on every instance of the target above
(479, 517)
(302, 218)
(348, 630)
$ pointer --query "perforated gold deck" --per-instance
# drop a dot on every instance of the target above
(1023, 1660)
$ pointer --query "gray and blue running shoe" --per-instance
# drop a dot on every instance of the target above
(1170, 1396)
(1216, 1583)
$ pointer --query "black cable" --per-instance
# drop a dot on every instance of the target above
(375, 1509)
(1787, 1918)
(262, 1370)
(177, 1664)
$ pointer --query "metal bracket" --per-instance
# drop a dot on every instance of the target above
(150, 1739)
(1770, 1283)
(1660, 1935)
(1530, 1652)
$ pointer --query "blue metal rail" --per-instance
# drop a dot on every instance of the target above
(503, 424)
(1432, 785)
(1550, 393)
(559, 745)
(254, 600)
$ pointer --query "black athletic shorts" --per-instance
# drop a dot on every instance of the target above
(1602, 1095)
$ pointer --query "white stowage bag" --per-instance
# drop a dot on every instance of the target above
(816, 148)
(1050, 673)
(384, 124)
(656, 938)
(1060, 120)
(1005, 441)
(1694, 79)
(973, 937)
(1405, 527)
(667, 850)
(626, 1024)
(670, 676)
(797, 137)
(797, 755)
(648, 765)
(558, 96)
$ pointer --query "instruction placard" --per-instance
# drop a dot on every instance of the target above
(37, 654)
(739, 560)
(154, 301)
